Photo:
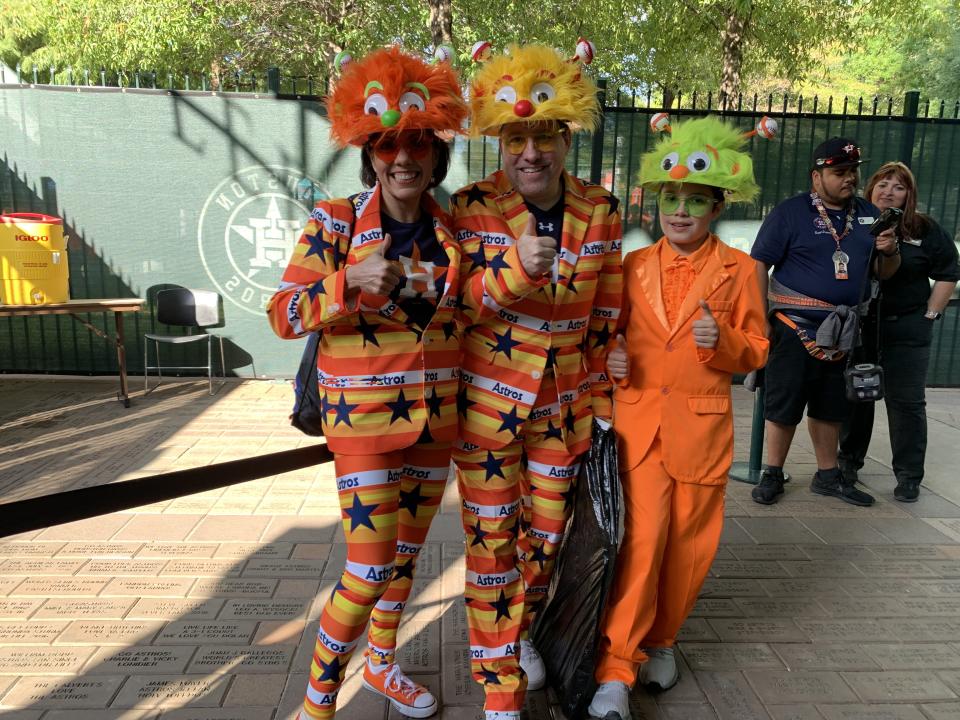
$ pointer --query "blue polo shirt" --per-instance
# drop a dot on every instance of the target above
(799, 246)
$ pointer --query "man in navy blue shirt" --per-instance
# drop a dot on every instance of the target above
(819, 246)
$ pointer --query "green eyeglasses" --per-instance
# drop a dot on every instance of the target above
(696, 205)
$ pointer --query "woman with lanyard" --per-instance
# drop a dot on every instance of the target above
(377, 275)
(904, 316)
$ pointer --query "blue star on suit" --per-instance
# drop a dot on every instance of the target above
(343, 410)
(400, 408)
(497, 263)
(505, 344)
(411, 499)
(360, 514)
(493, 466)
(510, 420)
(330, 672)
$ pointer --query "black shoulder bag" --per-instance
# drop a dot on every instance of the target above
(864, 381)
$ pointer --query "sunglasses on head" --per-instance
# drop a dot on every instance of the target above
(388, 145)
(696, 205)
(546, 141)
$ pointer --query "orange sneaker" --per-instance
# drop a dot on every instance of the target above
(409, 698)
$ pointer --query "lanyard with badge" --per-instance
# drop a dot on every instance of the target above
(840, 259)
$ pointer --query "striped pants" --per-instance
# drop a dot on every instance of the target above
(387, 503)
(516, 501)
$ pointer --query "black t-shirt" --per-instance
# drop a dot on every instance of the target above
(932, 257)
(549, 222)
(416, 247)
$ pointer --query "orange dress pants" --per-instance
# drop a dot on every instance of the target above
(671, 534)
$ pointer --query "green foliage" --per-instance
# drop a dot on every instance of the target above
(829, 46)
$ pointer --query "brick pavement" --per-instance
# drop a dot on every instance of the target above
(204, 607)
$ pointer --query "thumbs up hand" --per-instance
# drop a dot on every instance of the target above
(536, 251)
(706, 332)
(375, 274)
(618, 361)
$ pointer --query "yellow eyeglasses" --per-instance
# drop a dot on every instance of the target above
(516, 143)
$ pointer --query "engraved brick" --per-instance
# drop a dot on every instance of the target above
(264, 609)
(757, 630)
(103, 608)
(29, 549)
(907, 656)
(723, 656)
(176, 691)
(177, 550)
(206, 633)
(871, 712)
(42, 693)
(233, 587)
(847, 630)
(147, 587)
(14, 632)
(175, 609)
(116, 632)
(201, 568)
(731, 696)
(42, 661)
(59, 587)
(784, 686)
(246, 551)
(260, 659)
(825, 657)
(140, 660)
(18, 608)
(39, 566)
(459, 687)
(898, 686)
(419, 647)
(98, 550)
(283, 568)
(121, 568)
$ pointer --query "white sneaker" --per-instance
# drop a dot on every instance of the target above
(660, 669)
(532, 664)
(611, 701)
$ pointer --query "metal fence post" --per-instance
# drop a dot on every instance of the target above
(273, 80)
(749, 472)
(596, 153)
(911, 108)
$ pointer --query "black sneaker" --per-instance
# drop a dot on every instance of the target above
(833, 483)
(770, 487)
(907, 491)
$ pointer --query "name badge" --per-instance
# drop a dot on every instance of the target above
(866, 220)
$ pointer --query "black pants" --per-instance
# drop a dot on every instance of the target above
(904, 355)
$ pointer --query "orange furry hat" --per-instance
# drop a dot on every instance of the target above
(391, 91)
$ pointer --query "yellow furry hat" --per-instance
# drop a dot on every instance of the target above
(533, 83)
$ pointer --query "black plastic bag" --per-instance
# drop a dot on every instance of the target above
(567, 630)
(307, 414)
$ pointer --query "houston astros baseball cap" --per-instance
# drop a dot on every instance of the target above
(837, 152)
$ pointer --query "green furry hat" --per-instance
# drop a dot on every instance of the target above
(706, 151)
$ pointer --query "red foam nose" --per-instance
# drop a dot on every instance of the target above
(523, 108)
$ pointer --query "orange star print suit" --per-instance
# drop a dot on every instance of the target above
(534, 357)
(674, 424)
(388, 393)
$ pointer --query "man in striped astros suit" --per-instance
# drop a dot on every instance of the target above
(541, 293)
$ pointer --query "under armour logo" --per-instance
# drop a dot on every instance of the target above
(548, 227)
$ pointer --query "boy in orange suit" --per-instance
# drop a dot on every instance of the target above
(693, 316)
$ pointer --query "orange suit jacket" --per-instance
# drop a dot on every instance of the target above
(674, 388)
(381, 379)
(519, 326)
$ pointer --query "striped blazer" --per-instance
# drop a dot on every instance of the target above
(382, 381)
(517, 326)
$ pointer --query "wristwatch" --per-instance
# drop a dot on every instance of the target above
(933, 315)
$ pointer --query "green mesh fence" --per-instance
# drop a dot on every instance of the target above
(111, 159)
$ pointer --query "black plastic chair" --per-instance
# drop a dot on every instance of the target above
(190, 309)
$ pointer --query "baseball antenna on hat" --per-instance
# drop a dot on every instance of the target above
(766, 126)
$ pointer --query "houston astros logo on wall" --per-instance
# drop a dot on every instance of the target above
(248, 228)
